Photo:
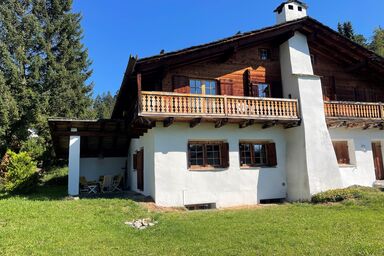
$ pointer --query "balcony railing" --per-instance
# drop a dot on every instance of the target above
(354, 110)
(217, 106)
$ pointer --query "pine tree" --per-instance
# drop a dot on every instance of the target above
(346, 29)
(44, 67)
(377, 44)
(103, 105)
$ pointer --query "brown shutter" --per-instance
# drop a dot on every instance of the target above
(271, 154)
(342, 152)
(225, 155)
(226, 87)
(135, 161)
(246, 81)
(180, 84)
(189, 155)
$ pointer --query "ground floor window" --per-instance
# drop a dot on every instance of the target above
(257, 154)
(342, 152)
(208, 154)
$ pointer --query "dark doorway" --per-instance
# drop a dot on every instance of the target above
(378, 160)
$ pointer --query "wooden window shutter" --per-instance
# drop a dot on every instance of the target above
(226, 86)
(189, 155)
(271, 154)
(342, 152)
(225, 155)
(180, 84)
(135, 161)
(246, 81)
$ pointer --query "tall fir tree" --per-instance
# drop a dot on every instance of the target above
(103, 105)
(346, 29)
(44, 65)
(377, 44)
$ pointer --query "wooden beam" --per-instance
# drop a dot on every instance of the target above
(269, 124)
(357, 66)
(220, 123)
(246, 123)
(292, 124)
(168, 121)
(194, 122)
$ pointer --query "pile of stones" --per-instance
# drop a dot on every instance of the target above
(141, 223)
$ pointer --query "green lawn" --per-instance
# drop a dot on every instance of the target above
(47, 224)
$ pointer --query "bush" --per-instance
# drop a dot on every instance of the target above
(35, 147)
(18, 173)
(338, 195)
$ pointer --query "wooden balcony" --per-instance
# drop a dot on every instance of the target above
(354, 114)
(216, 107)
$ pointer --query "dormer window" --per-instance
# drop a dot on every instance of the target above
(290, 7)
(300, 8)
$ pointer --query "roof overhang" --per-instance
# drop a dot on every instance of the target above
(98, 138)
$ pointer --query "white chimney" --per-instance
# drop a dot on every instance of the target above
(290, 10)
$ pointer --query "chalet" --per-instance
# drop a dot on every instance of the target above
(277, 113)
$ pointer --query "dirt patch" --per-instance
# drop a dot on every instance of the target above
(152, 207)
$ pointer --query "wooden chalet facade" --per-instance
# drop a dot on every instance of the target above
(277, 113)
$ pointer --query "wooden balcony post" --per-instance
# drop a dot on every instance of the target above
(381, 110)
(139, 96)
(225, 105)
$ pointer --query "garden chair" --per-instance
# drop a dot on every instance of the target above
(87, 187)
(116, 183)
(105, 183)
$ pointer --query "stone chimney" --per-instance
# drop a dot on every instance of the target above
(290, 10)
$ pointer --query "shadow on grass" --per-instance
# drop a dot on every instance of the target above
(42, 193)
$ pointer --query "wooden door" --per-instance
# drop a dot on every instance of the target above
(378, 160)
(140, 170)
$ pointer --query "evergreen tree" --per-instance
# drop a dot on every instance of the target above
(346, 29)
(377, 44)
(44, 67)
(103, 105)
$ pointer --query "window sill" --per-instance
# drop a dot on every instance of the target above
(257, 167)
(206, 169)
(347, 165)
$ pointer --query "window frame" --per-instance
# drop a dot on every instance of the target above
(203, 85)
(206, 166)
(270, 159)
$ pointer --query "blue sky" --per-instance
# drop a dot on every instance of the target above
(114, 29)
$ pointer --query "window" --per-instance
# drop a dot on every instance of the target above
(257, 154)
(290, 7)
(208, 87)
(300, 8)
(265, 54)
(260, 90)
(342, 152)
(208, 154)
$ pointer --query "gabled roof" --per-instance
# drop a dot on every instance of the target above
(339, 47)
(280, 7)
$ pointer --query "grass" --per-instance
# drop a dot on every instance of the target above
(45, 223)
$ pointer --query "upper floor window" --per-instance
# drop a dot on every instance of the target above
(257, 154)
(198, 86)
(265, 54)
(260, 90)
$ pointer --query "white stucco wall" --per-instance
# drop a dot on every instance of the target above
(147, 142)
(178, 186)
(362, 170)
(93, 168)
(311, 168)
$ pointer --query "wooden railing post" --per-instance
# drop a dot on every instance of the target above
(381, 110)
(139, 97)
(225, 105)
